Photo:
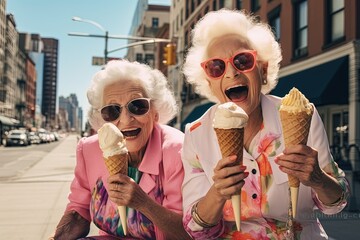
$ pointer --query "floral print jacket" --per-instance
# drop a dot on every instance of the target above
(265, 195)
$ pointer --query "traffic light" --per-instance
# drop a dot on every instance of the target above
(169, 54)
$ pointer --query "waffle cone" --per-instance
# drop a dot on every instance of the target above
(117, 164)
(296, 128)
(231, 142)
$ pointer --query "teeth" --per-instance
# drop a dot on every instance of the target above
(130, 137)
(130, 129)
(240, 85)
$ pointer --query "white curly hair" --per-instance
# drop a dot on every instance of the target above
(213, 25)
(154, 83)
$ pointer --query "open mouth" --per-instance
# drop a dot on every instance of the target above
(237, 93)
(131, 133)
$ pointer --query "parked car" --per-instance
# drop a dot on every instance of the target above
(44, 137)
(17, 138)
(34, 138)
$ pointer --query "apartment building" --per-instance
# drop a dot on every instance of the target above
(149, 21)
(49, 92)
(321, 57)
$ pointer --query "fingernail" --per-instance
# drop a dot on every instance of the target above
(233, 157)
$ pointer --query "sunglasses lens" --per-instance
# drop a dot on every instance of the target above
(110, 113)
(215, 68)
(138, 106)
(244, 61)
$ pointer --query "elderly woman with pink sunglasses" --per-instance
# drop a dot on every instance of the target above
(137, 100)
(234, 58)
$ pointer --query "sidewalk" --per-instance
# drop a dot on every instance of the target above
(32, 205)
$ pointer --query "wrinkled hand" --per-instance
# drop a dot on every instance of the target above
(124, 191)
(301, 161)
(228, 178)
(71, 226)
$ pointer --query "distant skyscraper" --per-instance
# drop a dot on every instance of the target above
(33, 45)
(73, 112)
(48, 108)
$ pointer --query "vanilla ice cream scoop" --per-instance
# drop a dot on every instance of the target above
(229, 115)
(111, 140)
(295, 101)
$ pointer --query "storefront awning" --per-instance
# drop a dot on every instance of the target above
(8, 121)
(324, 84)
(196, 113)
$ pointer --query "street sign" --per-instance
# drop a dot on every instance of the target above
(100, 61)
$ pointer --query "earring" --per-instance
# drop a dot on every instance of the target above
(264, 81)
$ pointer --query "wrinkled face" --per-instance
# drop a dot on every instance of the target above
(136, 129)
(240, 87)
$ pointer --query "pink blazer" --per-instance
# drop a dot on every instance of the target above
(163, 147)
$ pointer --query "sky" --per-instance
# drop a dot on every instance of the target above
(52, 19)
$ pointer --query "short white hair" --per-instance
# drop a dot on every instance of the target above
(216, 24)
(154, 83)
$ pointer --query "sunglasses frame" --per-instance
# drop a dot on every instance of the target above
(231, 60)
(127, 107)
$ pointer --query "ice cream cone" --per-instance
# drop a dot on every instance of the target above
(115, 153)
(295, 114)
(229, 122)
(296, 128)
(231, 142)
(119, 164)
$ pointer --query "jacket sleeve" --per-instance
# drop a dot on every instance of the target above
(80, 194)
(318, 140)
(173, 178)
(195, 186)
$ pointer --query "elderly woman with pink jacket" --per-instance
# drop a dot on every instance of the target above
(138, 101)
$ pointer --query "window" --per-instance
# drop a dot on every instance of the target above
(181, 17)
(139, 57)
(155, 22)
(340, 131)
(301, 28)
(255, 5)
(335, 21)
(274, 22)
(149, 59)
(238, 4)
(221, 4)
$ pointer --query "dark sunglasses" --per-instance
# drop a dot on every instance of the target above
(242, 61)
(137, 107)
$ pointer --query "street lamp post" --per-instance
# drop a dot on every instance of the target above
(78, 19)
(141, 40)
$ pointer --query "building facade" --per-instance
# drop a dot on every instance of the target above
(149, 21)
(320, 44)
(50, 73)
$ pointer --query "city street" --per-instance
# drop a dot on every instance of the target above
(33, 200)
(34, 197)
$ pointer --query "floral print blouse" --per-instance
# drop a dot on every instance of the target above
(265, 196)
